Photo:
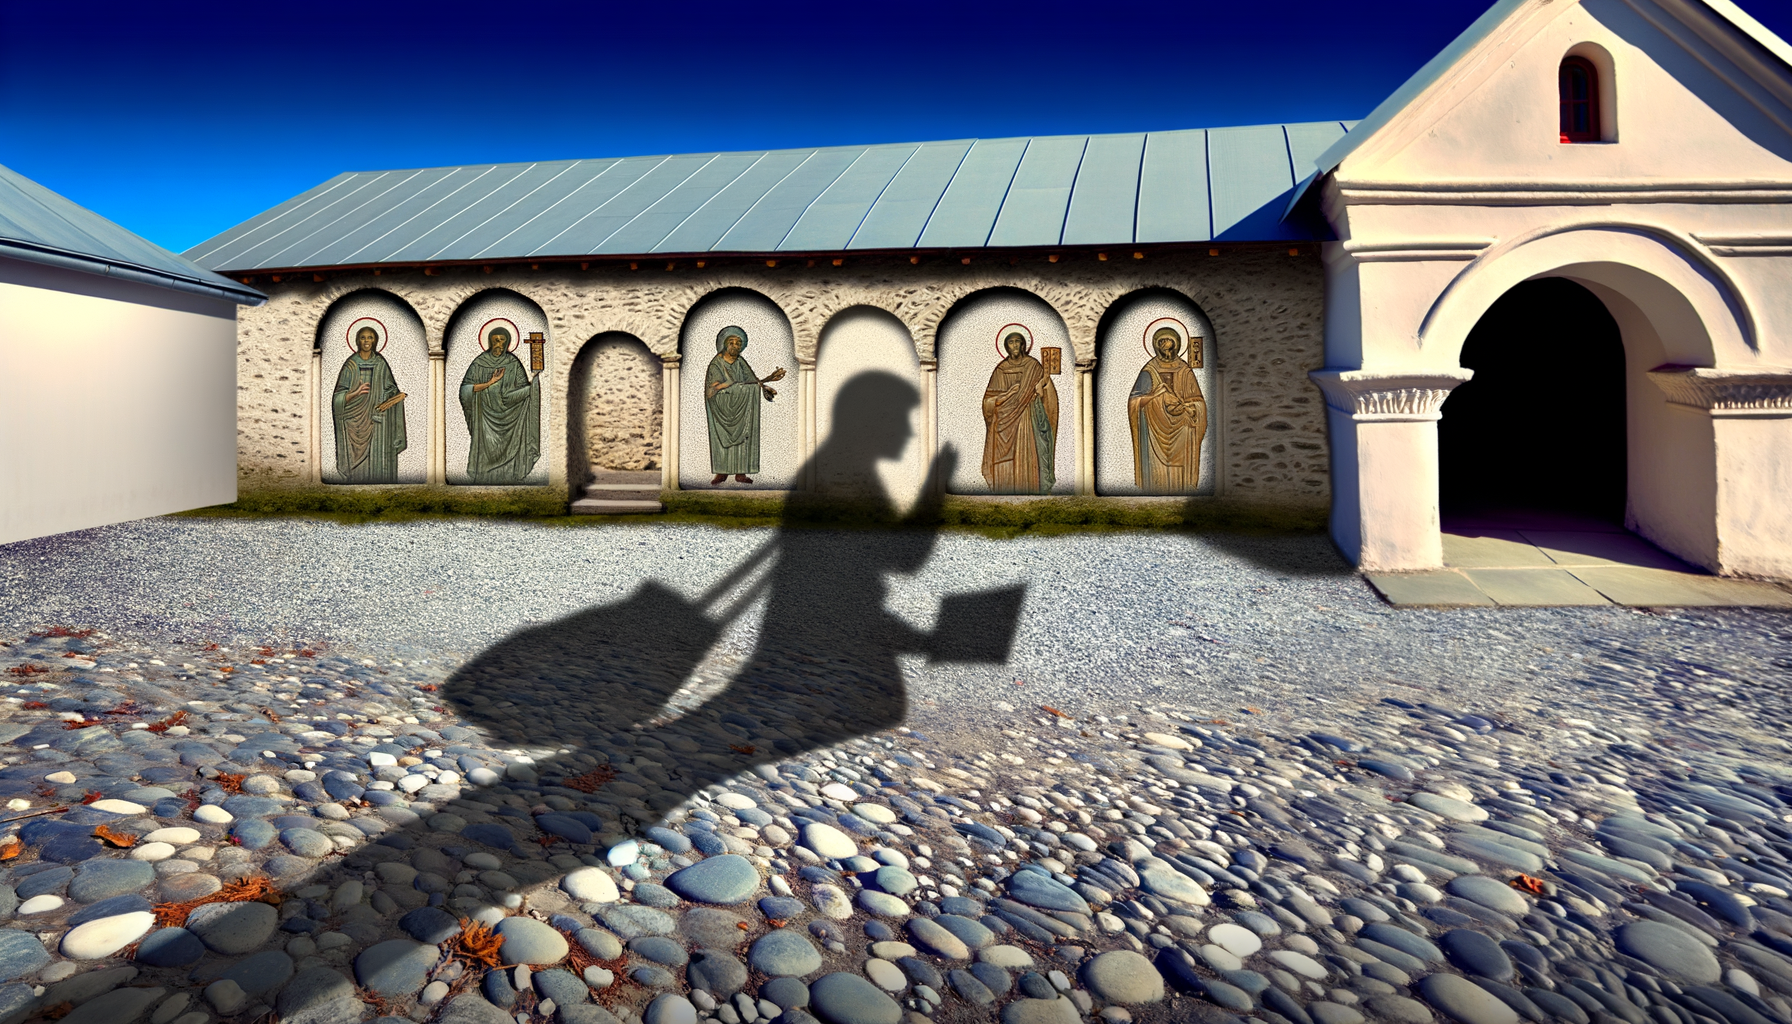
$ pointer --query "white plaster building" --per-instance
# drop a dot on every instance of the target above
(1633, 155)
(125, 359)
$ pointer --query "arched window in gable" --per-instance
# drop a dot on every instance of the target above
(1578, 83)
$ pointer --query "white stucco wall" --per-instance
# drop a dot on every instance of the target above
(968, 353)
(770, 345)
(123, 404)
(466, 343)
(1680, 221)
(858, 341)
(408, 355)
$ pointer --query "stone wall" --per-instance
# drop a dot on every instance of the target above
(617, 381)
(1265, 306)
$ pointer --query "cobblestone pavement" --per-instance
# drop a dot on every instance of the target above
(247, 779)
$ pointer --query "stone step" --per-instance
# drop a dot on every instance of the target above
(616, 506)
(646, 485)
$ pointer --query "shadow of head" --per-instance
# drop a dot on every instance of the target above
(870, 419)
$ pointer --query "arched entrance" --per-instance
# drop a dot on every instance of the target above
(1529, 443)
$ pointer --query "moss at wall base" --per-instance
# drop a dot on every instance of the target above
(993, 517)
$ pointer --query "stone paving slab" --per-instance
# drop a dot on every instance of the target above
(1533, 588)
(1581, 547)
(1490, 548)
(1660, 589)
(1438, 588)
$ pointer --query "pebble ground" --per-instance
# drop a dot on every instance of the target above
(1217, 780)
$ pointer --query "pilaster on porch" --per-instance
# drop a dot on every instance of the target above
(1384, 463)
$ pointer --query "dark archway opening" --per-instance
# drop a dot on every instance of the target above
(1540, 429)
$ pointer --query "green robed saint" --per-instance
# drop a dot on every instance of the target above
(503, 409)
(368, 411)
(731, 395)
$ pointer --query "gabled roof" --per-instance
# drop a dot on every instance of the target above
(1226, 184)
(1478, 32)
(39, 226)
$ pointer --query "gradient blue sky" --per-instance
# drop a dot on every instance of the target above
(178, 120)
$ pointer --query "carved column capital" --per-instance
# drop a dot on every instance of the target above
(1765, 391)
(1389, 396)
(671, 360)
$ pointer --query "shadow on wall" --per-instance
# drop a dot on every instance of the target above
(600, 682)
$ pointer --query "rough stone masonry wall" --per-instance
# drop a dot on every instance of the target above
(618, 382)
(1266, 308)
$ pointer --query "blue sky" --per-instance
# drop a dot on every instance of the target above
(178, 120)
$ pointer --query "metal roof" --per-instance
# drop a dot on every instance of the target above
(1214, 184)
(39, 226)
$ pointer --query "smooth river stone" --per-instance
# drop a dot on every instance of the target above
(1489, 893)
(1465, 1001)
(1669, 950)
(828, 842)
(843, 998)
(784, 952)
(728, 878)
(232, 928)
(1239, 941)
(100, 879)
(1475, 953)
(590, 885)
(1123, 976)
(937, 940)
(106, 936)
(1037, 889)
(179, 835)
(1455, 810)
(398, 968)
(528, 941)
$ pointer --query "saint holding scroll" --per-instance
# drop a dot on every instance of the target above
(1168, 416)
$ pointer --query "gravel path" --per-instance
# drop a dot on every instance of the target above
(1109, 619)
(319, 774)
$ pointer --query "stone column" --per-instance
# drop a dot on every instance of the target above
(438, 418)
(315, 472)
(1085, 426)
(1384, 464)
(1750, 413)
(669, 421)
(930, 409)
(805, 424)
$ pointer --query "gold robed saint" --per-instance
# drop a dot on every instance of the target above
(1020, 414)
(1168, 416)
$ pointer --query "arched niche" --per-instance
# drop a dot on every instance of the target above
(372, 446)
(969, 351)
(853, 444)
(770, 345)
(614, 407)
(1130, 457)
(521, 424)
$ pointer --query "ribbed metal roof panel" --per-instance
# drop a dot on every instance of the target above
(764, 227)
(1106, 196)
(967, 211)
(1307, 141)
(899, 216)
(40, 226)
(1175, 204)
(651, 226)
(1177, 186)
(831, 221)
(1249, 169)
(1033, 212)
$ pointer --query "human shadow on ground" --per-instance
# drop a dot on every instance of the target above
(598, 683)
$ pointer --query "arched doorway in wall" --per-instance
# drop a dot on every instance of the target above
(1538, 436)
(615, 415)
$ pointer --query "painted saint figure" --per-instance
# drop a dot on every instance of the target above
(731, 395)
(369, 415)
(503, 408)
(1168, 416)
(1020, 412)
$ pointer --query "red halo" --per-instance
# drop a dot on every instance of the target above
(354, 325)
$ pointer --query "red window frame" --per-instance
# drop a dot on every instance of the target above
(1579, 113)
